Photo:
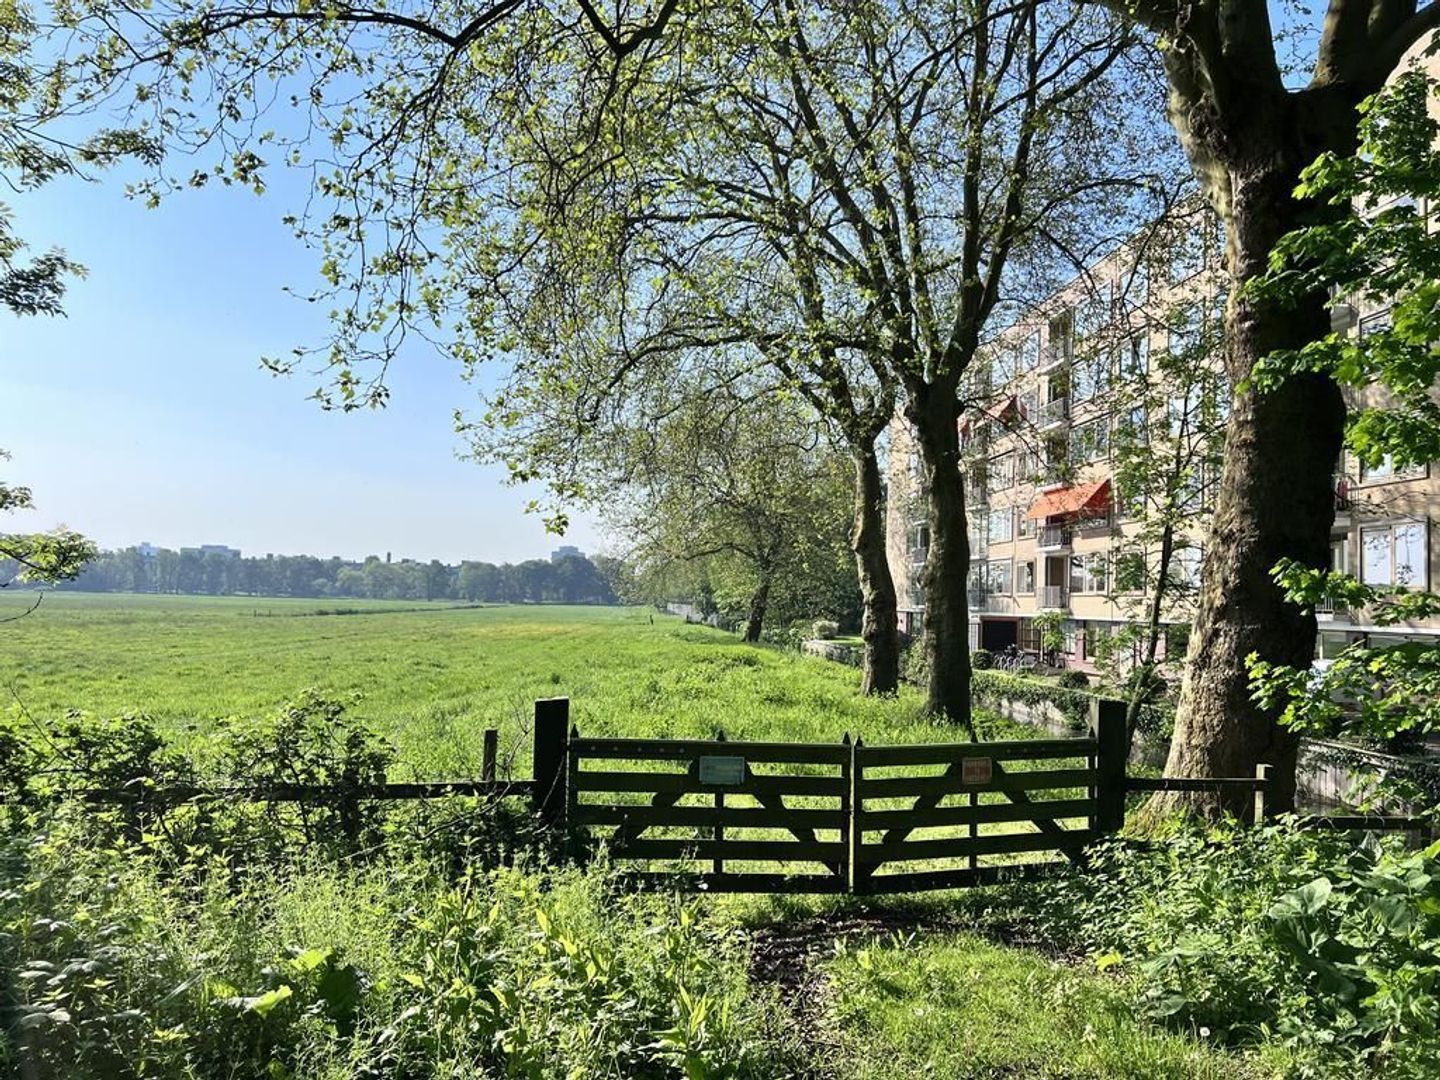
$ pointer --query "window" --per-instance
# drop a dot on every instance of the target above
(1091, 375)
(1024, 523)
(1177, 640)
(1025, 577)
(1192, 490)
(1134, 358)
(1187, 329)
(1386, 469)
(1062, 334)
(1000, 525)
(919, 541)
(1002, 472)
(1185, 568)
(1188, 257)
(1395, 555)
(1028, 404)
(1090, 442)
(1088, 573)
(1094, 311)
(1131, 425)
(1339, 552)
(1029, 353)
(997, 578)
(1130, 572)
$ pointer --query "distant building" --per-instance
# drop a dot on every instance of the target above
(566, 551)
(147, 550)
(212, 549)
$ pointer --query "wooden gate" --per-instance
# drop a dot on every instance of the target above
(841, 817)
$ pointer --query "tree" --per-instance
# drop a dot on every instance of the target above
(1166, 453)
(747, 485)
(840, 192)
(1249, 134)
(37, 558)
(1379, 250)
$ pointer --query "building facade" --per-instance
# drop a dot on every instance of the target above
(1062, 522)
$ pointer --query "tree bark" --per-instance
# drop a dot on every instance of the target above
(935, 416)
(1275, 498)
(759, 602)
(878, 626)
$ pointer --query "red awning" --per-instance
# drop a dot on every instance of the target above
(1071, 500)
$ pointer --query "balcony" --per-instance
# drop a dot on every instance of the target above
(1054, 597)
(1054, 537)
(1055, 412)
(982, 601)
(1340, 484)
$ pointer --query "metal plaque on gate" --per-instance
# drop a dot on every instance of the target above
(722, 770)
(976, 770)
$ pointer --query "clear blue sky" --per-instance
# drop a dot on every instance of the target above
(144, 414)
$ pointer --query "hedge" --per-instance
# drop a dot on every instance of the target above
(993, 688)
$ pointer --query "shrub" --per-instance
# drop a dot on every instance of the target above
(914, 668)
(1072, 679)
(382, 971)
(981, 659)
(1276, 932)
(825, 629)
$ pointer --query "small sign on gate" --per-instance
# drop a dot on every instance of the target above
(975, 770)
(722, 770)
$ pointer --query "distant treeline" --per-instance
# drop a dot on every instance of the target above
(568, 580)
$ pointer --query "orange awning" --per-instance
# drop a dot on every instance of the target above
(1071, 500)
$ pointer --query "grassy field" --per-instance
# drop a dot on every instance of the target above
(432, 678)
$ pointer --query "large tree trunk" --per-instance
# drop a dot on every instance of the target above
(1275, 498)
(947, 564)
(878, 627)
(759, 602)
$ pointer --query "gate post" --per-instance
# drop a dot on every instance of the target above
(552, 723)
(1107, 728)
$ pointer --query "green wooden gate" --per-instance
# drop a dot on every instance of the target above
(842, 817)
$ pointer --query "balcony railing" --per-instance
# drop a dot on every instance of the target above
(982, 600)
(1055, 411)
(1054, 536)
(1054, 596)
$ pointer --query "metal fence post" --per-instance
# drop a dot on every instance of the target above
(1107, 728)
(552, 724)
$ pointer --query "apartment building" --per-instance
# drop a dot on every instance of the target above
(1051, 534)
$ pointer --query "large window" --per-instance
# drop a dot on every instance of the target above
(1091, 375)
(997, 577)
(1002, 472)
(1090, 442)
(1000, 526)
(1188, 328)
(1029, 353)
(1185, 568)
(1386, 469)
(1130, 572)
(1088, 573)
(1025, 578)
(1133, 358)
(1395, 555)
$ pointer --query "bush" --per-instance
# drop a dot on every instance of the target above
(825, 629)
(914, 668)
(981, 659)
(388, 971)
(1071, 679)
(1252, 934)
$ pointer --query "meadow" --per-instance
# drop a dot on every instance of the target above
(430, 679)
(302, 964)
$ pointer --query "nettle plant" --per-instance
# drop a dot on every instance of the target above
(1380, 253)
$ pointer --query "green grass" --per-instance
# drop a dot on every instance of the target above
(959, 1007)
(431, 680)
